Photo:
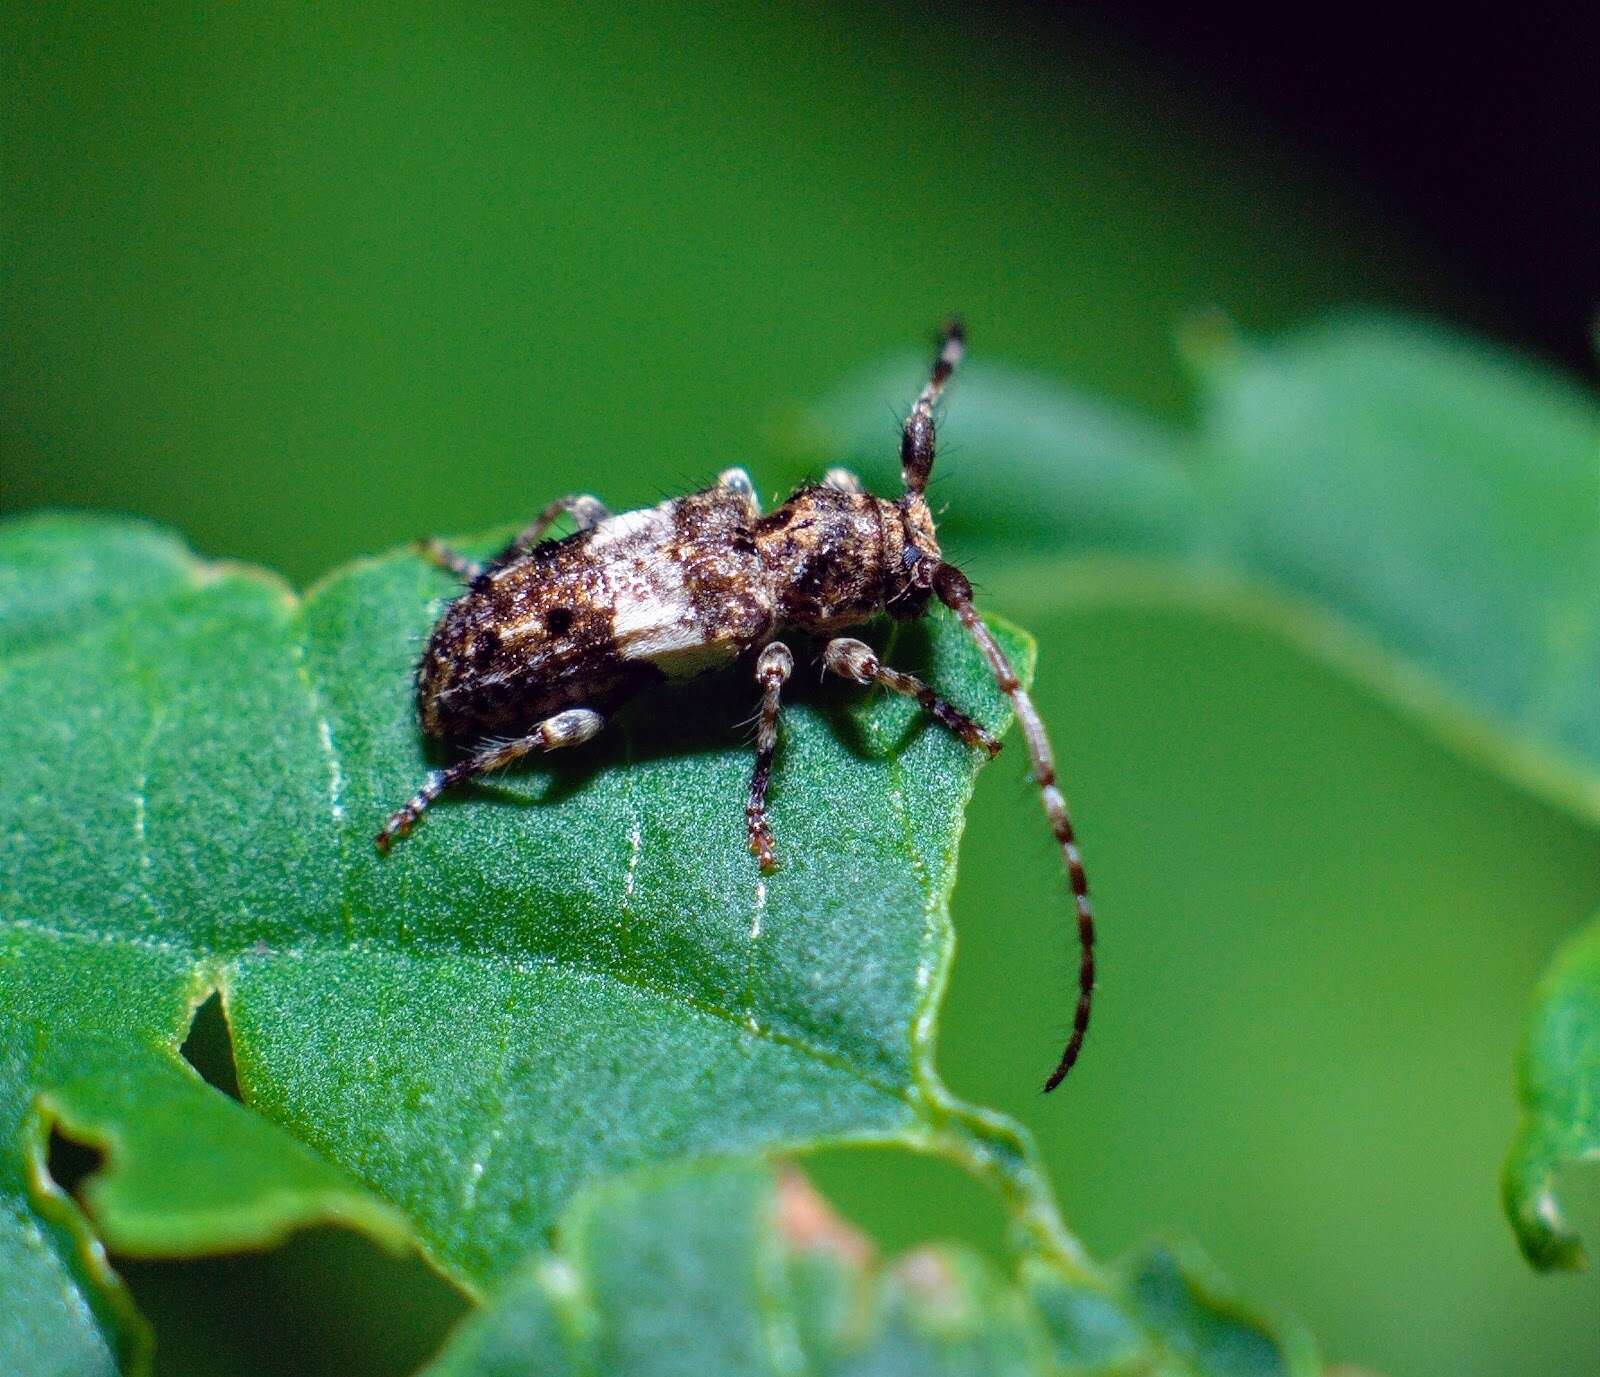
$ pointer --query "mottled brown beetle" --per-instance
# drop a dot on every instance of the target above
(551, 635)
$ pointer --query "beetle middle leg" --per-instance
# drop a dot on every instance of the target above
(853, 659)
(738, 481)
(772, 671)
(569, 728)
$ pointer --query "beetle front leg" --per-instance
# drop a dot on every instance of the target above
(772, 671)
(570, 728)
(853, 659)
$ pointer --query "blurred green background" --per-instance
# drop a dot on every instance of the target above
(311, 282)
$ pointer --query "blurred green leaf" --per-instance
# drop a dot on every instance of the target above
(55, 1320)
(727, 1269)
(1422, 510)
(1559, 1086)
(1443, 496)
(1164, 1311)
(564, 974)
(53, 578)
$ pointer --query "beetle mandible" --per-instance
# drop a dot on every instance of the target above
(550, 636)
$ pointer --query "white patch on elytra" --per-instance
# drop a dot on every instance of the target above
(653, 615)
(649, 526)
(635, 572)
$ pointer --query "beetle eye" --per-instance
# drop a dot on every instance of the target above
(559, 621)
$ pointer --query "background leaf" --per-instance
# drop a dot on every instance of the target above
(726, 1269)
(573, 971)
(1559, 1085)
(1419, 508)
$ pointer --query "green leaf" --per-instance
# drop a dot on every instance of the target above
(713, 1269)
(65, 1312)
(1166, 1311)
(54, 574)
(1443, 497)
(724, 1268)
(1559, 1088)
(569, 972)
(1421, 510)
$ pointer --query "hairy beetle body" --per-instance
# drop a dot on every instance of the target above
(664, 592)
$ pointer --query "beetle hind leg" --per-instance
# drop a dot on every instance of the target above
(586, 512)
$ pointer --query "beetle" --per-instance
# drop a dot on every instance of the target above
(550, 636)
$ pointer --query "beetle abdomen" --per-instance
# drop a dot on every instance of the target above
(526, 640)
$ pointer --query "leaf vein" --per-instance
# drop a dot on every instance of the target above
(101, 939)
(330, 753)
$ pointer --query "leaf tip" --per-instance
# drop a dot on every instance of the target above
(1559, 1090)
(1547, 1241)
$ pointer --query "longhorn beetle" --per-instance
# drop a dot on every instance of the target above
(551, 635)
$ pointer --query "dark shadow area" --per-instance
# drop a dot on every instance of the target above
(326, 1304)
(1476, 127)
(69, 1161)
(209, 1047)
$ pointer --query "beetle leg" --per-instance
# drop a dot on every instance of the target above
(437, 552)
(772, 670)
(569, 728)
(852, 659)
(586, 511)
(738, 481)
(842, 479)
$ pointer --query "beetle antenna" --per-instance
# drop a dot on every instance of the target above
(917, 438)
(955, 592)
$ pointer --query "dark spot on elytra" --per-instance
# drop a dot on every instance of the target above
(558, 621)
